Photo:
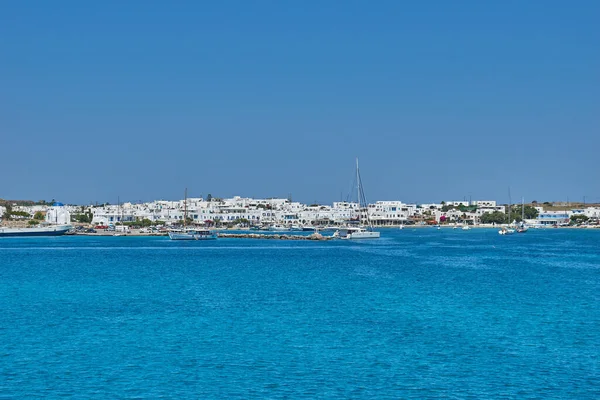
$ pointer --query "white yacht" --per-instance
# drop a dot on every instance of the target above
(356, 232)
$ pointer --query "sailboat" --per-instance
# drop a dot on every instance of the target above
(507, 230)
(190, 234)
(522, 228)
(359, 232)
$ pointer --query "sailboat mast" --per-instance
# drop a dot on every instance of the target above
(185, 209)
(358, 189)
(522, 209)
(509, 206)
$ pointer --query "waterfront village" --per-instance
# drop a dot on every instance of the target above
(241, 213)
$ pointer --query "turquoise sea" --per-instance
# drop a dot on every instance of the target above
(418, 314)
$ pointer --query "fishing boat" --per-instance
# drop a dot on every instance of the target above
(187, 233)
(359, 231)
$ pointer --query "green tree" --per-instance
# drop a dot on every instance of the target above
(209, 197)
(577, 219)
(23, 214)
(38, 215)
(8, 213)
(495, 217)
(145, 222)
(83, 218)
(529, 212)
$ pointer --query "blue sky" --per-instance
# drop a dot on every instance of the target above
(440, 100)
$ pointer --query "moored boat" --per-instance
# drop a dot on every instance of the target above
(506, 231)
(522, 228)
(187, 233)
(50, 230)
(359, 231)
(278, 228)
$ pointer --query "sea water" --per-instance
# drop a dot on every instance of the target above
(419, 313)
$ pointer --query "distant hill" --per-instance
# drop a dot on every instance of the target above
(4, 202)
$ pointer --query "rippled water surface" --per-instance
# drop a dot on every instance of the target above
(419, 313)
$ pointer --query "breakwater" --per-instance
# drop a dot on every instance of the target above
(314, 236)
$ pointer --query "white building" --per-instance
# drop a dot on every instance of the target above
(58, 214)
(389, 213)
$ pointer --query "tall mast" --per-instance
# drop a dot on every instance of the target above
(522, 209)
(185, 209)
(509, 206)
(357, 183)
(358, 190)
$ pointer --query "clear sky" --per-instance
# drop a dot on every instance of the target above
(439, 99)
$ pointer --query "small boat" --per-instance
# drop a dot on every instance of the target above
(278, 228)
(401, 227)
(522, 228)
(506, 231)
(465, 227)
